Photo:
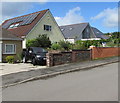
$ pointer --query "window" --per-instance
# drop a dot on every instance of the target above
(10, 48)
(47, 27)
(87, 30)
(71, 28)
(16, 25)
(13, 25)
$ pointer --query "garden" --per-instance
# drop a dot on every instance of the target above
(44, 42)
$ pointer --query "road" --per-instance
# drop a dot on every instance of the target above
(97, 84)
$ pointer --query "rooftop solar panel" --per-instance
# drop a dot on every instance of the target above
(25, 20)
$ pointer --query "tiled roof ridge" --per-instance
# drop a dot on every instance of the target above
(74, 24)
(27, 14)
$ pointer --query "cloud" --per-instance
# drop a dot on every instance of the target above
(12, 9)
(72, 16)
(109, 17)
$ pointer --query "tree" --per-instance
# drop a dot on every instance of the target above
(40, 41)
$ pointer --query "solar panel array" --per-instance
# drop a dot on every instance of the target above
(23, 20)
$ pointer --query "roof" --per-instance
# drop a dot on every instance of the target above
(73, 30)
(99, 34)
(26, 23)
(7, 35)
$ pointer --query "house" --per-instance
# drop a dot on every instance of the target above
(81, 31)
(99, 34)
(32, 25)
(10, 45)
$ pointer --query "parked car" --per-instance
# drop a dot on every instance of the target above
(36, 55)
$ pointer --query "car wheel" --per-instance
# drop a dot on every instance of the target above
(24, 60)
(34, 62)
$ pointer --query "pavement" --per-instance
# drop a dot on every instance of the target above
(27, 72)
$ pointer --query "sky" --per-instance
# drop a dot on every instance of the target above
(102, 15)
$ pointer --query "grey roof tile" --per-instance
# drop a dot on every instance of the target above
(71, 31)
(99, 34)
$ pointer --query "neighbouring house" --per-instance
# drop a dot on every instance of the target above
(81, 31)
(99, 34)
(10, 45)
(32, 25)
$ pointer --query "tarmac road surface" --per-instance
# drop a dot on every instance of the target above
(97, 84)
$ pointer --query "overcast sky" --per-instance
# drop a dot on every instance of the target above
(103, 15)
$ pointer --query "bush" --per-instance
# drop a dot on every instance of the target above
(55, 46)
(41, 41)
(86, 44)
(80, 45)
(62, 45)
(65, 45)
(10, 59)
(31, 43)
(20, 56)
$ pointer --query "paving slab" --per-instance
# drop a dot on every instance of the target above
(7, 68)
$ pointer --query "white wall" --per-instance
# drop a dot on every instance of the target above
(24, 44)
(71, 40)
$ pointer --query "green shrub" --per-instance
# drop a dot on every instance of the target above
(62, 45)
(31, 43)
(86, 44)
(40, 41)
(80, 45)
(10, 59)
(55, 46)
(20, 56)
(65, 45)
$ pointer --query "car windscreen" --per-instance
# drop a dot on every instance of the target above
(39, 50)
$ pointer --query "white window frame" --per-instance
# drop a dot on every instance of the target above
(14, 48)
(13, 26)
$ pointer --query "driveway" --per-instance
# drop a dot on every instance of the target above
(7, 68)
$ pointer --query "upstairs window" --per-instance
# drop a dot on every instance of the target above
(87, 30)
(62, 29)
(71, 28)
(13, 26)
(47, 27)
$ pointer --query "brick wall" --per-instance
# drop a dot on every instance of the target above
(81, 55)
(102, 52)
(67, 57)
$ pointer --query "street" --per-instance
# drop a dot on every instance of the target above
(97, 84)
